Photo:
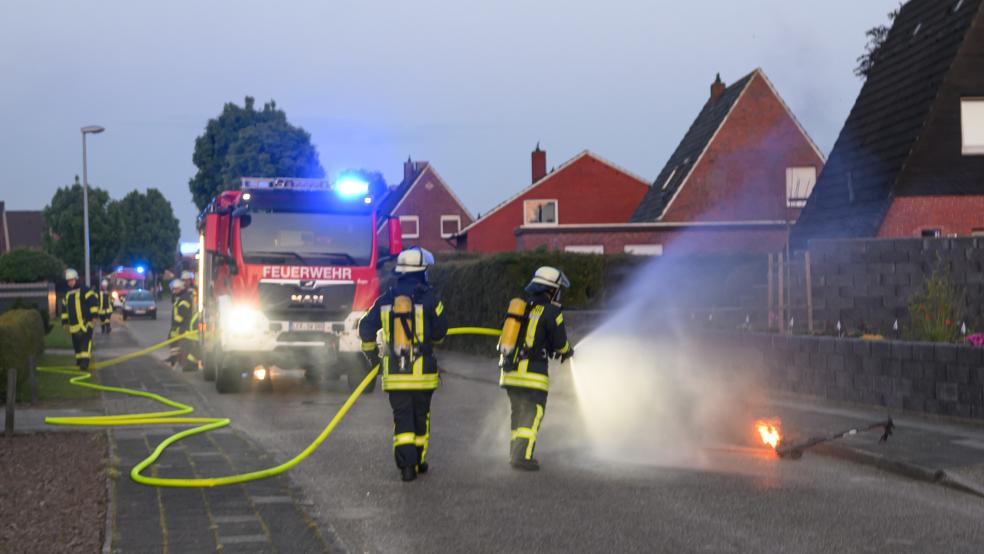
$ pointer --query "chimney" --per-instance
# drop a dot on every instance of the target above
(409, 174)
(717, 88)
(539, 159)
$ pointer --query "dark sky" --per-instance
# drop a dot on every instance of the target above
(469, 86)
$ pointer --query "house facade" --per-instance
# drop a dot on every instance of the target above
(586, 189)
(735, 183)
(909, 161)
(429, 211)
(20, 229)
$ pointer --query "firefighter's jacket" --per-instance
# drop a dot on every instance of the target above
(79, 306)
(182, 313)
(543, 334)
(429, 326)
(105, 302)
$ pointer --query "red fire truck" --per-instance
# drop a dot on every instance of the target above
(288, 267)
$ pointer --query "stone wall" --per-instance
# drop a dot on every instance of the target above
(934, 378)
(871, 281)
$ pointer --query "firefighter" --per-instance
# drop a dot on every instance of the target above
(412, 320)
(105, 307)
(533, 331)
(189, 281)
(79, 308)
(183, 316)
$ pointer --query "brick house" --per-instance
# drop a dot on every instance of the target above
(735, 183)
(909, 161)
(430, 213)
(20, 229)
(586, 189)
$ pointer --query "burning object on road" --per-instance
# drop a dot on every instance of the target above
(769, 432)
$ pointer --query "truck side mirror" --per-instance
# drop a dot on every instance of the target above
(212, 233)
(395, 236)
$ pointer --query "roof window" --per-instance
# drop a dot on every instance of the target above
(957, 5)
(917, 29)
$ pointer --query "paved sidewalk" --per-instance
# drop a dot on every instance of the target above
(933, 450)
(262, 516)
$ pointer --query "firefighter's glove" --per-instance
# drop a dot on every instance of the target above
(372, 357)
(566, 355)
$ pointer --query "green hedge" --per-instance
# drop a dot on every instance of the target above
(29, 266)
(21, 336)
(476, 292)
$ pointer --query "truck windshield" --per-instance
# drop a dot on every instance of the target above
(307, 238)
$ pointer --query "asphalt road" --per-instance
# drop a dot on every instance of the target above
(733, 499)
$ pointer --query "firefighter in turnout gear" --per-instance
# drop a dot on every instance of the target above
(412, 320)
(80, 307)
(533, 331)
(184, 315)
(105, 307)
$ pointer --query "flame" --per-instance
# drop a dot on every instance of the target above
(769, 432)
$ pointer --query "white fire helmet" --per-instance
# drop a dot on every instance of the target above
(105, 284)
(550, 277)
(414, 260)
(187, 276)
(177, 285)
(71, 274)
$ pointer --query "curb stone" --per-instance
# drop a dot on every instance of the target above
(905, 469)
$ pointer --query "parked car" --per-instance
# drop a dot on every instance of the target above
(139, 303)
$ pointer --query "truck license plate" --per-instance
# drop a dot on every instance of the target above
(307, 326)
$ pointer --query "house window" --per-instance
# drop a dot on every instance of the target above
(410, 226)
(977, 232)
(540, 212)
(930, 233)
(972, 126)
(450, 225)
(585, 248)
(644, 249)
(799, 185)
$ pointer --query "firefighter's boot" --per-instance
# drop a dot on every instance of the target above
(408, 473)
(526, 465)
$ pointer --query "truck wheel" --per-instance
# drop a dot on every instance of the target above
(209, 363)
(228, 376)
(313, 377)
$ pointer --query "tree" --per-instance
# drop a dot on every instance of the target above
(149, 230)
(29, 266)
(245, 142)
(876, 39)
(64, 236)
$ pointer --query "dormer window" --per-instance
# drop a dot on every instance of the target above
(972, 126)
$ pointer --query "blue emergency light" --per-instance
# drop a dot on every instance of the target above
(141, 269)
(351, 186)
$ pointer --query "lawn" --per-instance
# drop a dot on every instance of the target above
(57, 387)
(58, 338)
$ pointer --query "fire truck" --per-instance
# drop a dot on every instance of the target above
(288, 268)
(124, 280)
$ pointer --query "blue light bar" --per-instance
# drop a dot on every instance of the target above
(350, 186)
(140, 269)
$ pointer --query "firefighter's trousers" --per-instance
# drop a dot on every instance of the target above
(528, 407)
(411, 426)
(189, 354)
(106, 327)
(82, 343)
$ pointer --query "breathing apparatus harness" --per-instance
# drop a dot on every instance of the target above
(405, 344)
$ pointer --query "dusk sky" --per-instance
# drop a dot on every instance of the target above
(468, 86)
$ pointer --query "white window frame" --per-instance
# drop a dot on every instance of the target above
(556, 204)
(975, 114)
(791, 186)
(456, 219)
(585, 248)
(644, 249)
(403, 232)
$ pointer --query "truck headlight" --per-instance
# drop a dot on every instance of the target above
(243, 320)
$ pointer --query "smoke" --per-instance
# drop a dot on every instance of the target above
(649, 387)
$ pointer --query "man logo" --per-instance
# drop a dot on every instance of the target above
(307, 299)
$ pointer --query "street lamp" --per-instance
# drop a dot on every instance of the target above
(94, 130)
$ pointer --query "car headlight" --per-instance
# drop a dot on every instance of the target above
(243, 320)
(116, 295)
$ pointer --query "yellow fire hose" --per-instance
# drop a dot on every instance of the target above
(204, 424)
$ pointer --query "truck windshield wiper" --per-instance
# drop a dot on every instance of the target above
(280, 253)
(342, 255)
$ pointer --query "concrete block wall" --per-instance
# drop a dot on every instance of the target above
(871, 281)
(935, 378)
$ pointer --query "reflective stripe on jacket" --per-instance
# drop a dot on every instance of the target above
(429, 326)
(544, 334)
(79, 307)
